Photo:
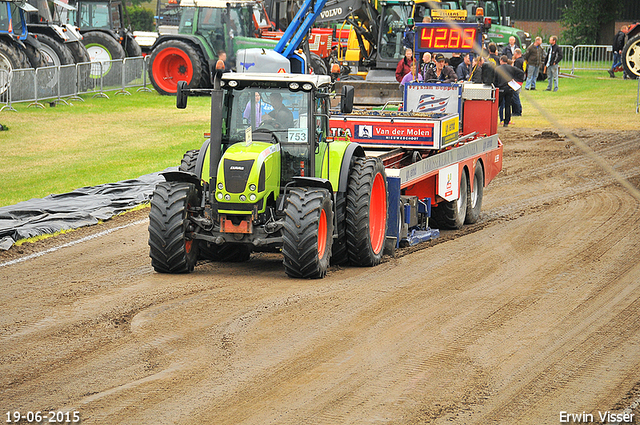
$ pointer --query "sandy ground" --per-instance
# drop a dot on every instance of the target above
(533, 311)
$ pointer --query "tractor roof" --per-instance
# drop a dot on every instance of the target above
(217, 4)
(245, 79)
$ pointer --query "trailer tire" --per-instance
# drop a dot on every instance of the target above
(173, 61)
(474, 195)
(307, 233)
(55, 53)
(171, 250)
(451, 215)
(631, 57)
(367, 205)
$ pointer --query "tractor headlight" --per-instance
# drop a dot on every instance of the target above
(252, 197)
(220, 196)
(307, 86)
(252, 187)
(227, 197)
(243, 198)
(220, 186)
(294, 86)
(233, 83)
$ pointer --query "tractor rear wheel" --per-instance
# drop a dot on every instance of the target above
(171, 248)
(367, 204)
(104, 48)
(79, 52)
(631, 57)
(475, 193)
(174, 61)
(307, 233)
(451, 215)
(55, 53)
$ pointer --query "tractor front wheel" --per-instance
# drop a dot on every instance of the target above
(171, 248)
(367, 204)
(307, 233)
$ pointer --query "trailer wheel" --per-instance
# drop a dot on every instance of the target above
(474, 195)
(451, 215)
(174, 61)
(171, 249)
(367, 205)
(307, 233)
(631, 57)
(55, 53)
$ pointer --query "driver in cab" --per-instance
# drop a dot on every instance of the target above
(281, 117)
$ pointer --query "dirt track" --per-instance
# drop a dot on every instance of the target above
(533, 311)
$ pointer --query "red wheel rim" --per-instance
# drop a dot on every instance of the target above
(187, 246)
(322, 234)
(170, 66)
(377, 213)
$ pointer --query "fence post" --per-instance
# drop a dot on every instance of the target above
(8, 76)
(35, 91)
(123, 79)
(144, 75)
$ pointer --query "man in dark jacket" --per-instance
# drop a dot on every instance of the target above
(510, 48)
(441, 73)
(516, 105)
(618, 44)
(534, 58)
(464, 69)
(551, 63)
(505, 73)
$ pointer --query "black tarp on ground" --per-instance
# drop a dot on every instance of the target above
(82, 207)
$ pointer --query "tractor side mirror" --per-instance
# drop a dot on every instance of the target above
(346, 100)
(182, 94)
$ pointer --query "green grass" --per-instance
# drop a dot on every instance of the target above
(61, 148)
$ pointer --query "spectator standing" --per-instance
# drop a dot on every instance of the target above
(404, 66)
(476, 70)
(456, 59)
(534, 59)
(411, 76)
(441, 73)
(427, 63)
(504, 74)
(510, 48)
(551, 63)
(409, 34)
(518, 62)
(618, 44)
(222, 55)
(464, 69)
(494, 59)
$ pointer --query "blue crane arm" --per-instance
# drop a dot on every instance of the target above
(299, 27)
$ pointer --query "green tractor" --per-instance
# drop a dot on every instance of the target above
(270, 179)
(206, 27)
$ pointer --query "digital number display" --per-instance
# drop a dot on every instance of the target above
(446, 38)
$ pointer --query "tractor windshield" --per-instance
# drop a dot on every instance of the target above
(92, 15)
(274, 115)
(394, 23)
(4, 17)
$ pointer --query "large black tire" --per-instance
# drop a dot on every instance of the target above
(55, 52)
(189, 160)
(79, 52)
(132, 48)
(171, 250)
(173, 61)
(451, 215)
(35, 56)
(307, 233)
(103, 48)
(367, 206)
(339, 254)
(474, 195)
(11, 57)
(631, 57)
(318, 65)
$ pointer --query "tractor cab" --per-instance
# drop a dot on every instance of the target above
(273, 129)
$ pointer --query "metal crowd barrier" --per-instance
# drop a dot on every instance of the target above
(62, 83)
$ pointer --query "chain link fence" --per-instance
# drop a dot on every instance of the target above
(62, 83)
